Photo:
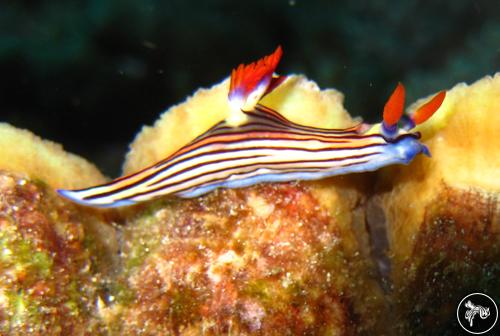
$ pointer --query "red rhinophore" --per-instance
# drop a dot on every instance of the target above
(245, 78)
(393, 109)
(426, 111)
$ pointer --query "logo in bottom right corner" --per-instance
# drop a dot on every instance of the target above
(477, 313)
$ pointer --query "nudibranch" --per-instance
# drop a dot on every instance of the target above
(256, 144)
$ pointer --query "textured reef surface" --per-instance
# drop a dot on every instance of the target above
(443, 214)
(384, 253)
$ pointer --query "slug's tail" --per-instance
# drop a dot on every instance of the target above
(84, 198)
(116, 193)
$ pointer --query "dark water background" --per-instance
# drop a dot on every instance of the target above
(89, 74)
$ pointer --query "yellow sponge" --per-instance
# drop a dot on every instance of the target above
(23, 152)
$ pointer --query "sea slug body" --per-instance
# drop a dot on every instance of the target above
(256, 144)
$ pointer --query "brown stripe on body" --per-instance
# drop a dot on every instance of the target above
(239, 136)
(256, 149)
(192, 180)
(210, 153)
(244, 175)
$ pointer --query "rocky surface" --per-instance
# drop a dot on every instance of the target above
(271, 260)
(53, 261)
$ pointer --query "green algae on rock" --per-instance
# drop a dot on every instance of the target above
(55, 257)
(51, 262)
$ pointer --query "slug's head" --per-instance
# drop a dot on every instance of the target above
(393, 112)
(249, 83)
(404, 144)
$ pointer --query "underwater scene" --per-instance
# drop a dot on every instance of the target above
(283, 167)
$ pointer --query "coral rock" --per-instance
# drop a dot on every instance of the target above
(271, 260)
(51, 262)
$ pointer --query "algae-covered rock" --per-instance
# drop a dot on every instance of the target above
(52, 261)
(274, 259)
(443, 213)
(53, 255)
